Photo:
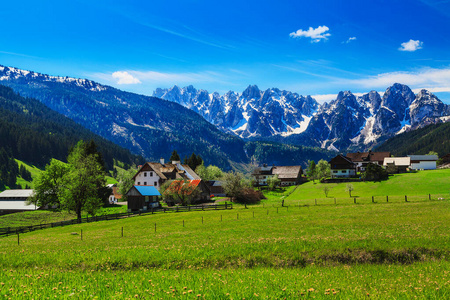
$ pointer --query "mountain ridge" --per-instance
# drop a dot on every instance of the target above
(348, 122)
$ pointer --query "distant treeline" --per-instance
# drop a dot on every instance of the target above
(32, 132)
(435, 137)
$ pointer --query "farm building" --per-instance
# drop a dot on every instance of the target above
(115, 196)
(342, 166)
(423, 162)
(361, 159)
(143, 198)
(216, 188)
(15, 201)
(397, 164)
(155, 174)
(288, 175)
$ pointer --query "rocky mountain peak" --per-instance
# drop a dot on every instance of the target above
(251, 92)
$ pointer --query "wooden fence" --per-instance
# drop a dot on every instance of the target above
(22, 229)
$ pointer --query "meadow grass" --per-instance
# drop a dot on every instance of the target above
(381, 250)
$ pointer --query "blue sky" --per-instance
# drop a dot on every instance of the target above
(309, 47)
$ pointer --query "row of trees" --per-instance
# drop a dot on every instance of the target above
(79, 185)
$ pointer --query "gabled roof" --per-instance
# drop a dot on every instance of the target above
(16, 193)
(397, 161)
(167, 171)
(147, 190)
(368, 156)
(285, 172)
(423, 157)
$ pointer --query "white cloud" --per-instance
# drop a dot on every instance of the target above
(411, 46)
(324, 97)
(427, 78)
(316, 34)
(353, 38)
(123, 77)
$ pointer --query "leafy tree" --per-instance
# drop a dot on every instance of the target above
(78, 186)
(273, 182)
(375, 172)
(125, 179)
(49, 184)
(239, 189)
(323, 169)
(209, 172)
(233, 184)
(311, 171)
(175, 156)
(326, 189)
(180, 191)
(349, 189)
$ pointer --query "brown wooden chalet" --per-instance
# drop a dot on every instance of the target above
(361, 159)
(288, 175)
(342, 166)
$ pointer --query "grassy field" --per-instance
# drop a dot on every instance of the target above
(391, 250)
(37, 217)
(378, 250)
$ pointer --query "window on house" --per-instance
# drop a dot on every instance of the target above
(145, 174)
(139, 183)
(344, 171)
(156, 183)
(145, 183)
(334, 171)
(151, 174)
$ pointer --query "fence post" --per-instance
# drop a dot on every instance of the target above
(18, 239)
(245, 205)
(387, 198)
(315, 201)
(122, 231)
(183, 223)
(155, 227)
(372, 199)
(277, 209)
(406, 198)
(429, 196)
(225, 205)
(237, 217)
(267, 211)
(81, 234)
(202, 219)
(354, 200)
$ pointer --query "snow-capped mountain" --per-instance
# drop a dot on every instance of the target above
(348, 122)
(253, 113)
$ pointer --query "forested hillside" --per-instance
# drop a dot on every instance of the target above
(435, 137)
(33, 133)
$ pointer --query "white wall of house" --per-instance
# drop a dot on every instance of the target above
(424, 165)
(342, 173)
(148, 178)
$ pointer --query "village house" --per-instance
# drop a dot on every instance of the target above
(361, 159)
(216, 188)
(115, 196)
(397, 164)
(155, 174)
(288, 175)
(342, 166)
(12, 201)
(143, 198)
(423, 162)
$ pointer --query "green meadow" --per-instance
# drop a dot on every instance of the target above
(377, 250)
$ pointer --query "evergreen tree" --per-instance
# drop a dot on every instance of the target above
(175, 156)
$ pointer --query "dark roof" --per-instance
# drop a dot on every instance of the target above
(368, 156)
(341, 162)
